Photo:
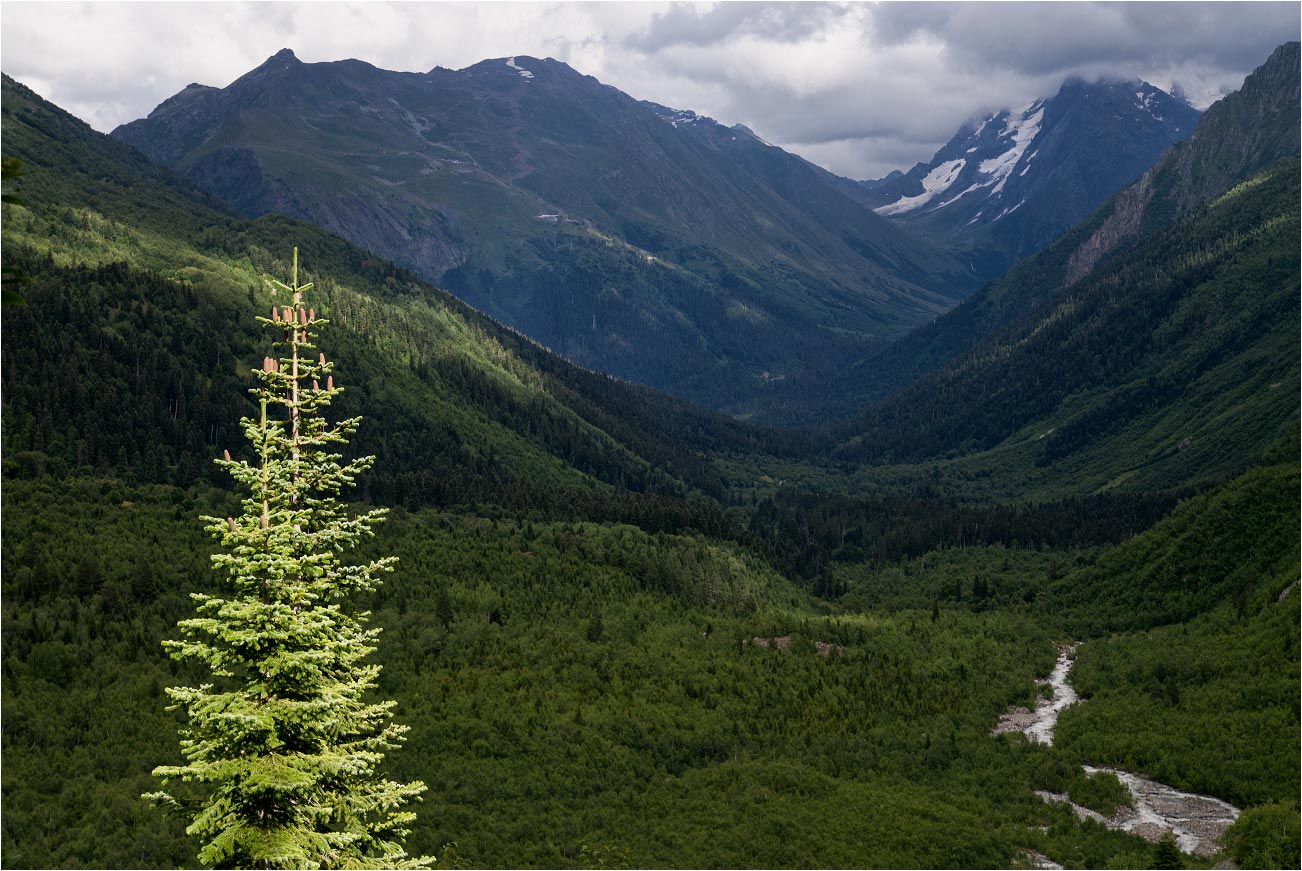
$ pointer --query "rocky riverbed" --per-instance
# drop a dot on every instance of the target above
(1038, 725)
(1196, 820)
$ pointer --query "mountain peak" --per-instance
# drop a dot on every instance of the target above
(1036, 169)
(522, 65)
(1077, 85)
(282, 60)
(1179, 94)
(1284, 54)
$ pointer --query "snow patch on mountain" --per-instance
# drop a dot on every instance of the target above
(967, 190)
(682, 116)
(1010, 211)
(1145, 101)
(1022, 127)
(933, 183)
(521, 70)
(1031, 171)
(1019, 130)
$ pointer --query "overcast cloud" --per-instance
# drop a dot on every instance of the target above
(860, 88)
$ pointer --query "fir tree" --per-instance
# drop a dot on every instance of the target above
(10, 169)
(283, 744)
(1165, 852)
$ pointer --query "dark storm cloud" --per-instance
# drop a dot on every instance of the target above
(1040, 38)
(899, 78)
(782, 22)
(861, 88)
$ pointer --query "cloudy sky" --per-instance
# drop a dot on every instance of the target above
(861, 88)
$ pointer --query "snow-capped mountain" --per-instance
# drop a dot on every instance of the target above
(1005, 136)
(1009, 183)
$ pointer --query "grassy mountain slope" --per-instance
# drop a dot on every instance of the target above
(653, 244)
(1172, 364)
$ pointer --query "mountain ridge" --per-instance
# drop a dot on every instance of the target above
(648, 242)
(1170, 365)
(1204, 229)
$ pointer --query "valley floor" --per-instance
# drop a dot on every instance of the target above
(622, 710)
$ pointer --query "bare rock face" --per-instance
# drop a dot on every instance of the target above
(1125, 221)
(1244, 132)
(1239, 135)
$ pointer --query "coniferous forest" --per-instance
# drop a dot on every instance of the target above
(622, 630)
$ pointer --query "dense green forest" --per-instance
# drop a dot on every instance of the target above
(591, 693)
(628, 632)
(579, 694)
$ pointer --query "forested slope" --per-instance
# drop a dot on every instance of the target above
(134, 352)
(1204, 695)
(1173, 364)
(1232, 545)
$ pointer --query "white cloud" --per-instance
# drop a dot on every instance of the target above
(861, 88)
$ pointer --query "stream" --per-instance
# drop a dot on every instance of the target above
(1196, 820)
